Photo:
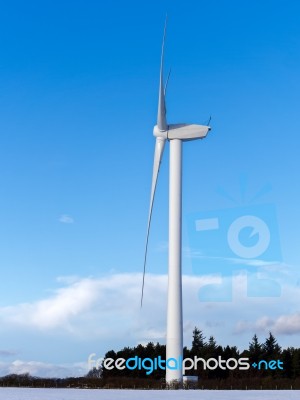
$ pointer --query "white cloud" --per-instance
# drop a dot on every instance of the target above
(55, 311)
(107, 309)
(98, 306)
(66, 219)
(288, 324)
(44, 370)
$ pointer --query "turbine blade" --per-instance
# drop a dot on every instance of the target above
(158, 153)
(167, 81)
(161, 113)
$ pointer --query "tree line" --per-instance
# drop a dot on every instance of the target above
(265, 378)
(260, 354)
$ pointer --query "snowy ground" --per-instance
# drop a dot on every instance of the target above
(83, 394)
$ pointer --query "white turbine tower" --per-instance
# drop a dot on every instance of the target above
(175, 134)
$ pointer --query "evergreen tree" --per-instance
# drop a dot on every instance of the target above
(230, 352)
(271, 348)
(150, 350)
(198, 340)
(212, 345)
(255, 349)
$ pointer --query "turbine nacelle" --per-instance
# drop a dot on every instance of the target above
(182, 131)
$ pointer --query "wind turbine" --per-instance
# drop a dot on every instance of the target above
(175, 134)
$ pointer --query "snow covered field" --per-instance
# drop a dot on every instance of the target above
(84, 394)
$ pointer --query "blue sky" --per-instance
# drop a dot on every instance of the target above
(78, 102)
